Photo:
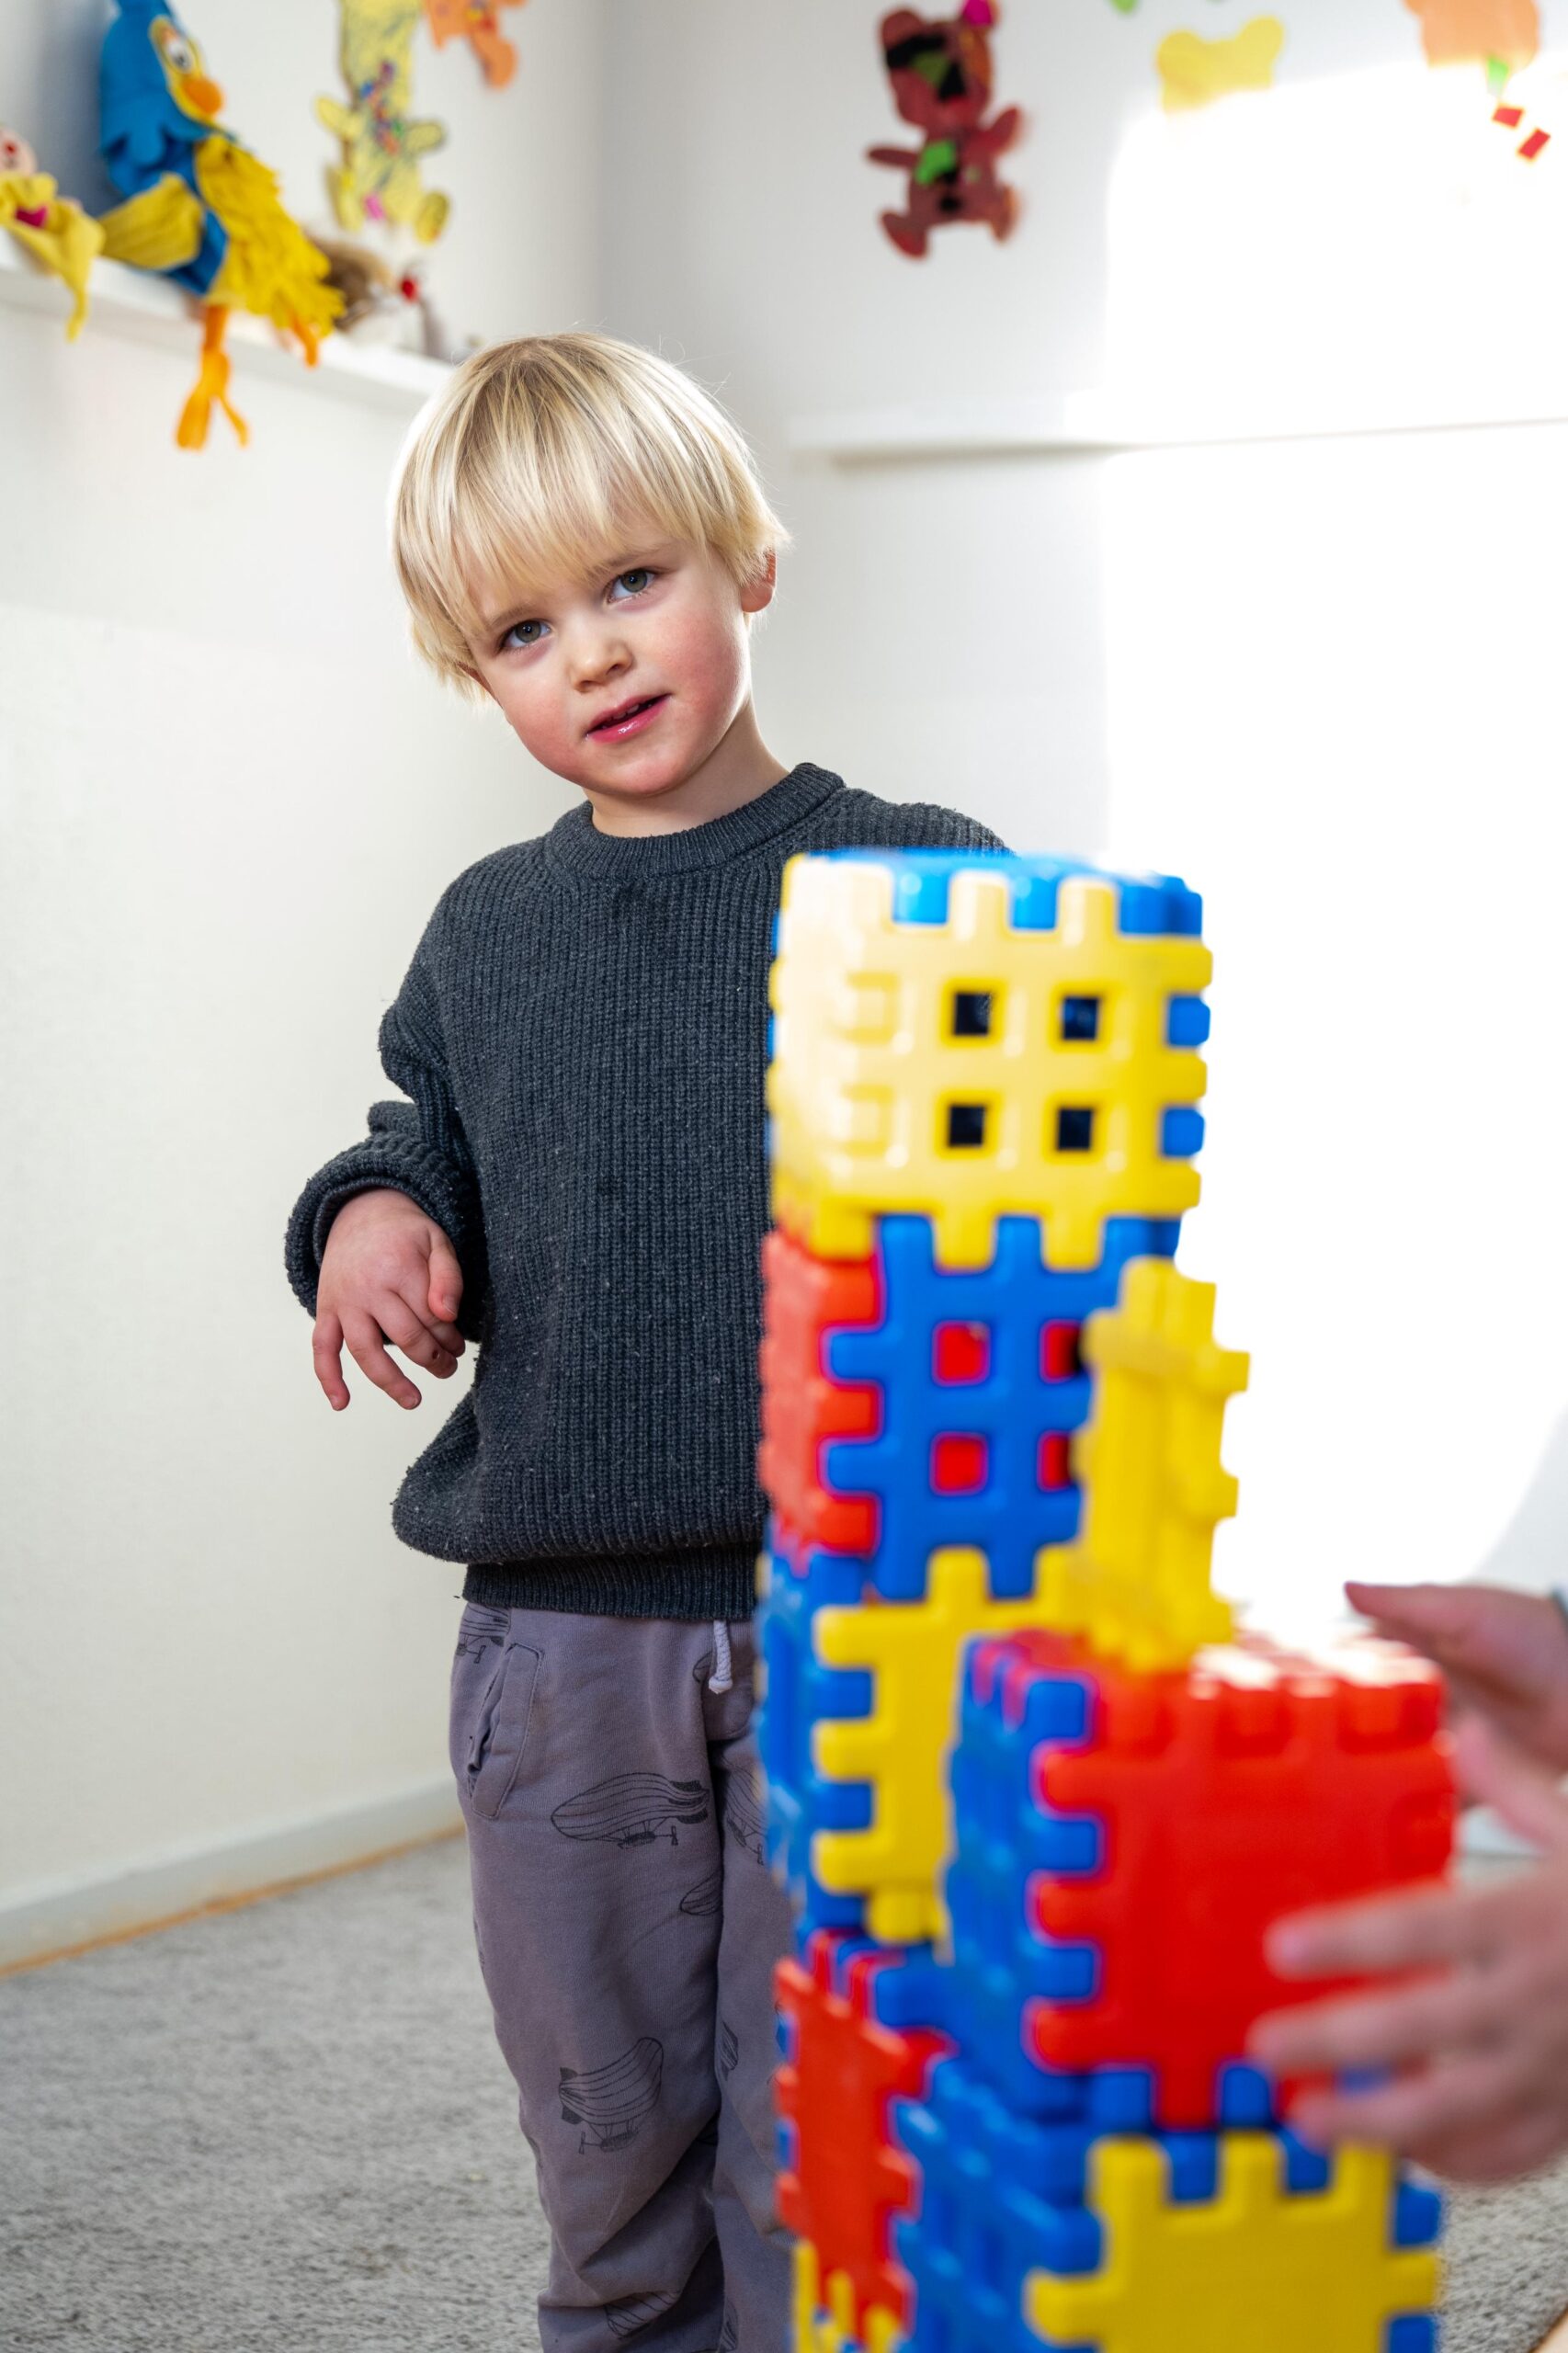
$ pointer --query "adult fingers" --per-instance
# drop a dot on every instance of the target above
(326, 1354)
(1382, 2030)
(1527, 1798)
(1417, 1613)
(363, 1334)
(1479, 2089)
(1363, 1939)
(1504, 2152)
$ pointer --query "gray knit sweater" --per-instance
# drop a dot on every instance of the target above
(581, 1038)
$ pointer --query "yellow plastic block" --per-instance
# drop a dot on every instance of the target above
(1255, 2270)
(1137, 1579)
(867, 1067)
(911, 1649)
(824, 2312)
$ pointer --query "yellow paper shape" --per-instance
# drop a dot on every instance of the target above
(67, 241)
(903, 1747)
(379, 178)
(867, 1067)
(1295, 2273)
(1136, 1582)
(1455, 31)
(1196, 71)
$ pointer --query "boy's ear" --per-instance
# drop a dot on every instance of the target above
(757, 592)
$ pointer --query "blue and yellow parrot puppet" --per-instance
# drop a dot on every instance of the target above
(199, 209)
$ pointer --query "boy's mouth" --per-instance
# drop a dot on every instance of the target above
(628, 717)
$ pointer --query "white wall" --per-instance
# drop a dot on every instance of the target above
(1322, 678)
(229, 803)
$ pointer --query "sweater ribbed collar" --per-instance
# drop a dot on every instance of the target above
(574, 843)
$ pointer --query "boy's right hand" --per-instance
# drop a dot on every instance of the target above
(388, 1274)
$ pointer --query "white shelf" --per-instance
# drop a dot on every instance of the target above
(1089, 424)
(145, 309)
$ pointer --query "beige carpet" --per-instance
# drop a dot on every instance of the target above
(288, 2130)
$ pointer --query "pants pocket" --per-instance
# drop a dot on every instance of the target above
(493, 1697)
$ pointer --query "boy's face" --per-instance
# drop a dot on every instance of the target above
(625, 682)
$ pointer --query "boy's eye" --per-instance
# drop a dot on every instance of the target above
(518, 632)
(634, 581)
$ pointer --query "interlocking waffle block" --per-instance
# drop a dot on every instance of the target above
(798, 1692)
(1123, 1841)
(967, 1036)
(880, 1744)
(1014, 2220)
(1138, 1581)
(1340, 2255)
(842, 2182)
(820, 2324)
(906, 1405)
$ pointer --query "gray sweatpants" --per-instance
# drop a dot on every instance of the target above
(628, 1927)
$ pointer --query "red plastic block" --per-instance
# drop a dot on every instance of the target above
(1060, 1358)
(958, 1465)
(960, 1352)
(801, 1407)
(1055, 1459)
(847, 2181)
(1253, 1784)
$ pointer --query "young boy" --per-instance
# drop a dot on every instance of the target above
(576, 1183)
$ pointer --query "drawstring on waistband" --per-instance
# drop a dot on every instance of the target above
(722, 1677)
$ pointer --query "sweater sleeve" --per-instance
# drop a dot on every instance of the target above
(415, 1147)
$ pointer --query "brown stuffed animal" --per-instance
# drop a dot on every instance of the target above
(941, 73)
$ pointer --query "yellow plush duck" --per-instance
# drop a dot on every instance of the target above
(199, 207)
(55, 231)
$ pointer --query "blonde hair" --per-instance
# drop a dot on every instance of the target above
(539, 457)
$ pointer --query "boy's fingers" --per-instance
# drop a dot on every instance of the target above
(1525, 1797)
(1430, 1924)
(1384, 2029)
(326, 1354)
(446, 1281)
(402, 1321)
(364, 1338)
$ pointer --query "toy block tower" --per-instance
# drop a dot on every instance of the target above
(1036, 1803)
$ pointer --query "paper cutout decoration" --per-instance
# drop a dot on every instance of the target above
(480, 22)
(55, 231)
(379, 178)
(1195, 71)
(941, 73)
(1455, 32)
(199, 206)
(1534, 144)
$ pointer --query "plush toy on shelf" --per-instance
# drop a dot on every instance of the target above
(941, 73)
(55, 231)
(478, 21)
(199, 209)
(378, 179)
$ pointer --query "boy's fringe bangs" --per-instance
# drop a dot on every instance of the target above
(551, 457)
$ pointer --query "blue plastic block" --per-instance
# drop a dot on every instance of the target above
(1181, 1132)
(1013, 1407)
(1417, 2215)
(1187, 1022)
(1413, 2333)
(1149, 906)
(799, 1693)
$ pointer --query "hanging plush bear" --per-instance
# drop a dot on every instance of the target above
(941, 73)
